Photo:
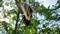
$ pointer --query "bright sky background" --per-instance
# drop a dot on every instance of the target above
(46, 3)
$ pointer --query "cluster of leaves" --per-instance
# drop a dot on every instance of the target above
(0, 3)
(51, 30)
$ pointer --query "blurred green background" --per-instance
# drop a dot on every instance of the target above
(46, 19)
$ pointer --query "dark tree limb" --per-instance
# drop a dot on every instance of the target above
(16, 25)
(17, 19)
